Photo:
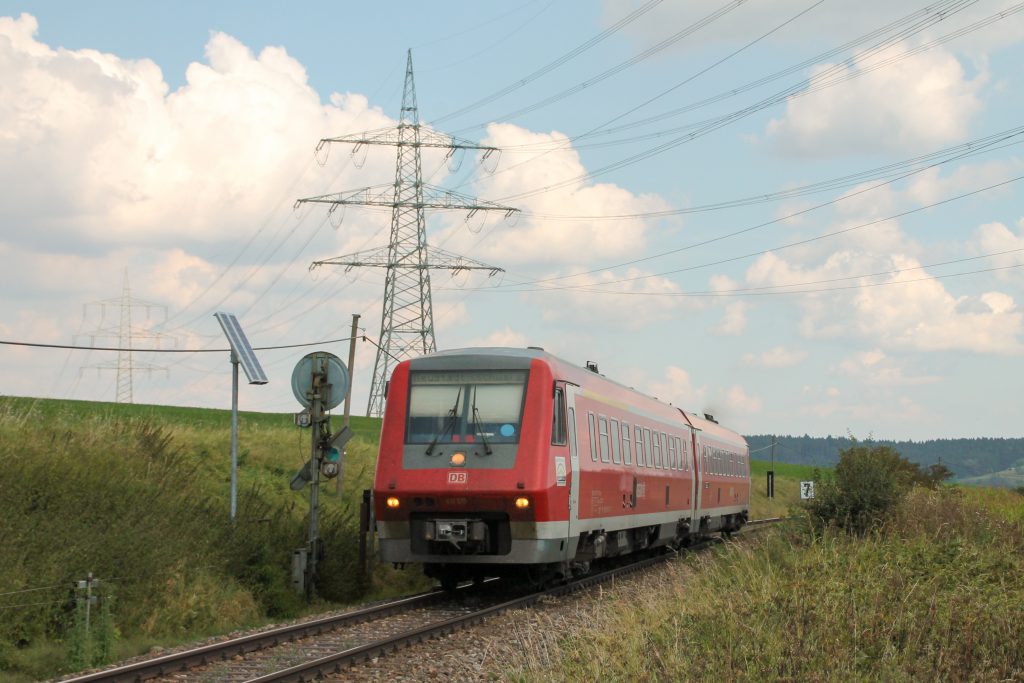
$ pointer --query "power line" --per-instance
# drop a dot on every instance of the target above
(114, 348)
(970, 149)
(799, 89)
(789, 245)
(622, 66)
(551, 66)
(765, 291)
(961, 151)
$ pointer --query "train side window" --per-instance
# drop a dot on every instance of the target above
(732, 464)
(602, 426)
(673, 454)
(558, 432)
(664, 451)
(704, 453)
(656, 449)
(616, 443)
(593, 436)
(649, 460)
(627, 457)
(640, 452)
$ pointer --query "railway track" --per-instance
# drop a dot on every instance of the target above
(318, 648)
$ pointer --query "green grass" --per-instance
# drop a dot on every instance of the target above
(139, 495)
(787, 488)
(937, 594)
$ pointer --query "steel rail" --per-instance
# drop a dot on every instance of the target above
(334, 663)
(208, 654)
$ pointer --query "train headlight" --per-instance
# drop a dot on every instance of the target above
(392, 502)
(522, 503)
(457, 459)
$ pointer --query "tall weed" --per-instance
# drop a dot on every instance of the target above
(935, 594)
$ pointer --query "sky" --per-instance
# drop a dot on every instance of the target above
(802, 216)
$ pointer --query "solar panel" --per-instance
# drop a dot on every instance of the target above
(240, 348)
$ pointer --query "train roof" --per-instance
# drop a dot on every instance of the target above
(502, 357)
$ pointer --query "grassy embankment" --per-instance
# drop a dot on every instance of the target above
(936, 592)
(139, 496)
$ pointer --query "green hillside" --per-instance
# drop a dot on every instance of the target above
(979, 461)
(139, 496)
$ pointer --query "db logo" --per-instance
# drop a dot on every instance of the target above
(458, 477)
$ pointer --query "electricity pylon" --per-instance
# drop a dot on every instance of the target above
(407, 319)
(125, 334)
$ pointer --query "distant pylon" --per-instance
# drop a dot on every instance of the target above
(125, 335)
(407, 318)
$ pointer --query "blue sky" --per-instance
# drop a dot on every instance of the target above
(171, 140)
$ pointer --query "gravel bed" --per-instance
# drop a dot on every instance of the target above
(511, 643)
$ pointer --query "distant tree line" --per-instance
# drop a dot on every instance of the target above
(964, 457)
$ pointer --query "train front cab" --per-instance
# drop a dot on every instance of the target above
(468, 482)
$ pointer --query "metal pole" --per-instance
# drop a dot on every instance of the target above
(351, 363)
(234, 434)
(88, 603)
(317, 417)
(348, 393)
(771, 490)
(364, 528)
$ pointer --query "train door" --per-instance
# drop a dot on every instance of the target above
(572, 532)
(698, 475)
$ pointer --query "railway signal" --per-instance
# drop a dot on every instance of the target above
(320, 382)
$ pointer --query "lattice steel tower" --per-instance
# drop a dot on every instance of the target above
(407, 319)
(126, 334)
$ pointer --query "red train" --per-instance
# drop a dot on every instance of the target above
(498, 461)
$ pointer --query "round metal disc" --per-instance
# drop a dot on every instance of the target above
(332, 390)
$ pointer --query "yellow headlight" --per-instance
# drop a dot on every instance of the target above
(392, 502)
(458, 459)
(522, 503)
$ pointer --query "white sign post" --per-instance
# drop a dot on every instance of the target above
(806, 490)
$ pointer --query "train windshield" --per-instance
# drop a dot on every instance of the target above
(465, 406)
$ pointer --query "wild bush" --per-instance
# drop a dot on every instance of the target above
(866, 485)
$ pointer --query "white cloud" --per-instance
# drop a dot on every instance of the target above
(921, 102)
(533, 239)
(777, 357)
(876, 368)
(503, 337)
(734, 320)
(635, 303)
(826, 24)
(931, 185)
(738, 401)
(920, 315)
(110, 155)
(676, 387)
(994, 238)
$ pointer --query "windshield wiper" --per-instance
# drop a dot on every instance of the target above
(477, 426)
(449, 422)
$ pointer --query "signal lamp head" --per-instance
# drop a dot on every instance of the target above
(392, 502)
(522, 503)
(457, 459)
